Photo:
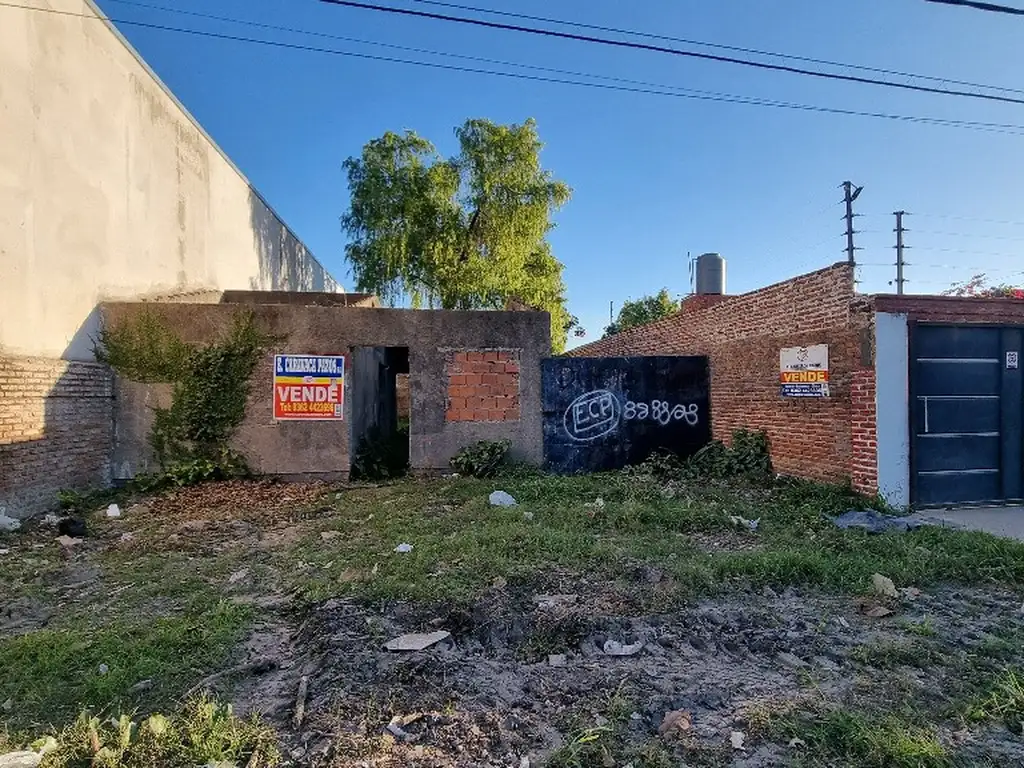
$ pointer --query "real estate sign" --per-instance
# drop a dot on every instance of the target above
(309, 387)
(803, 371)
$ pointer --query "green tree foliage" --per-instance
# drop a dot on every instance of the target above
(466, 232)
(642, 311)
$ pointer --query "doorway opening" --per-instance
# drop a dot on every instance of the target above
(379, 444)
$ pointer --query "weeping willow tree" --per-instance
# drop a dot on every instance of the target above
(466, 232)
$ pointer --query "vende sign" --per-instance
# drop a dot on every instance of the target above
(803, 371)
(309, 387)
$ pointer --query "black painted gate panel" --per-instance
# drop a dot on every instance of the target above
(608, 412)
(966, 414)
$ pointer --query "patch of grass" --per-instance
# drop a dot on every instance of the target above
(923, 628)
(605, 524)
(843, 738)
(202, 733)
(588, 747)
(51, 674)
(887, 654)
(1002, 702)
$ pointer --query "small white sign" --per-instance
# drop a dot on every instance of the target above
(803, 371)
(1011, 359)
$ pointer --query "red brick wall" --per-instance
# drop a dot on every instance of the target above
(742, 336)
(483, 385)
(864, 459)
(55, 430)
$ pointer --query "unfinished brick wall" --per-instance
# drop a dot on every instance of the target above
(864, 454)
(483, 385)
(55, 430)
(742, 336)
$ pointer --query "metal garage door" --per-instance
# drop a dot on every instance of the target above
(966, 414)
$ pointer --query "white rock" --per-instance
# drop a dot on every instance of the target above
(502, 499)
(8, 524)
(615, 648)
(21, 760)
(5, 551)
(103, 669)
(68, 541)
(113, 511)
(736, 738)
(403, 548)
(884, 585)
(527, 515)
(417, 642)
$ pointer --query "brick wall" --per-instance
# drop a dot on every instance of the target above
(55, 430)
(483, 385)
(742, 336)
(864, 458)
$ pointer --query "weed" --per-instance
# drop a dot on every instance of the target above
(203, 733)
(923, 628)
(1003, 702)
(382, 456)
(589, 747)
(843, 738)
(482, 459)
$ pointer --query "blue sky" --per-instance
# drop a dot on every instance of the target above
(653, 177)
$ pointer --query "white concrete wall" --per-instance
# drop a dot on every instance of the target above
(892, 407)
(109, 189)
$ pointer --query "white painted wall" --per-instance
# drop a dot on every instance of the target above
(109, 189)
(892, 407)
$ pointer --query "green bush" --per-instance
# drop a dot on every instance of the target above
(748, 457)
(482, 459)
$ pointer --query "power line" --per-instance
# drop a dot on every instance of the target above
(978, 6)
(719, 46)
(666, 90)
(672, 51)
(1016, 239)
(946, 217)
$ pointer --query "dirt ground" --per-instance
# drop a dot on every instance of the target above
(528, 675)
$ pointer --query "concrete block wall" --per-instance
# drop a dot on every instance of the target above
(435, 339)
(55, 430)
(742, 336)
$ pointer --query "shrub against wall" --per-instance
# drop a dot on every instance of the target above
(210, 388)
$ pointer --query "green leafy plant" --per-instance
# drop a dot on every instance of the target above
(203, 733)
(482, 459)
(382, 456)
(748, 457)
(210, 389)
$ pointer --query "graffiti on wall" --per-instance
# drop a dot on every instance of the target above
(603, 413)
(595, 414)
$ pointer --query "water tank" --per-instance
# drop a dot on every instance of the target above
(710, 274)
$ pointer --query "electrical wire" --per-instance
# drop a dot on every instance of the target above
(670, 91)
(946, 217)
(673, 51)
(979, 6)
(719, 46)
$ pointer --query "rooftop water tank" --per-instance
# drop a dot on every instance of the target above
(710, 274)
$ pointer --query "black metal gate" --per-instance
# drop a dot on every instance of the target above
(966, 410)
(608, 412)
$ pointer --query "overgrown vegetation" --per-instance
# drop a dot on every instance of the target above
(482, 459)
(382, 455)
(202, 733)
(190, 438)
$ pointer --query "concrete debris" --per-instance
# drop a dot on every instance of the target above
(113, 511)
(417, 641)
(615, 648)
(502, 499)
(403, 548)
(8, 524)
(21, 760)
(876, 522)
(103, 669)
(68, 541)
(797, 742)
(737, 738)
(883, 585)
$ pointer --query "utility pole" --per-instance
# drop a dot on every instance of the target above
(852, 193)
(900, 263)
